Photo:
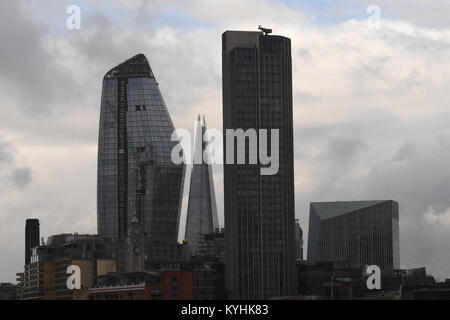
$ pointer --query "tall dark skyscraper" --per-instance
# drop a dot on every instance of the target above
(259, 209)
(31, 237)
(202, 209)
(135, 171)
(356, 233)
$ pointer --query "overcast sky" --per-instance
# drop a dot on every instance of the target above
(371, 106)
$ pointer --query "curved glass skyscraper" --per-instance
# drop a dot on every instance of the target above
(135, 171)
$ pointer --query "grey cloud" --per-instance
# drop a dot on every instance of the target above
(344, 148)
(10, 172)
(404, 152)
(5, 153)
(22, 177)
(28, 65)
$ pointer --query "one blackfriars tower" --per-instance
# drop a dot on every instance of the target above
(136, 174)
(259, 209)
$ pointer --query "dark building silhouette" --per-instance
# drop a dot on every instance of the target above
(135, 169)
(31, 237)
(259, 209)
(298, 241)
(356, 233)
(209, 267)
(8, 291)
(202, 210)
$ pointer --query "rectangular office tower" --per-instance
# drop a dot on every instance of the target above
(135, 173)
(259, 209)
(356, 233)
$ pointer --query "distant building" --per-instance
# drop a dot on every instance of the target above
(437, 291)
(328, 280)
(31, 237)
(45, 277)
(175, 284)
(8, 291)
(259, 209)
(212, 246)
(355, 233)
(209, 267)
(202, 210)
(337, 281)
(298, 241)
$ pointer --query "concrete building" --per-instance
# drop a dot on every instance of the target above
(45, 277)
(259, 209)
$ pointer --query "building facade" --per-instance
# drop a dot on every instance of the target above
(31, 237)
(45, 277)
(8, 291)
(135, 170)
(202, 209)
(357, 233)
(298, 241)
(259, 209)
(209, 267)
(174, 284)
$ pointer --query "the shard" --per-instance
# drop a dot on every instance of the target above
(202, 210)
(135, 170)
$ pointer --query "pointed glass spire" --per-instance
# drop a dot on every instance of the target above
(202, 209)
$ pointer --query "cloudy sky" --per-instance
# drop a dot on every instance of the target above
(371, 106)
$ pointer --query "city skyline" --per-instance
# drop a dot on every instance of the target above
(375, 130)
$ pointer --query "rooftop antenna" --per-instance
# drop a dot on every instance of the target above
(265, 30)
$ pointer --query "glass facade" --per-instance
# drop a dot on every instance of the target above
(135, 170)
(202, 210)
(259, 209)
(356, 233)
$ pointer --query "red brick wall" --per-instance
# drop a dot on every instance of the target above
(184, 288)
